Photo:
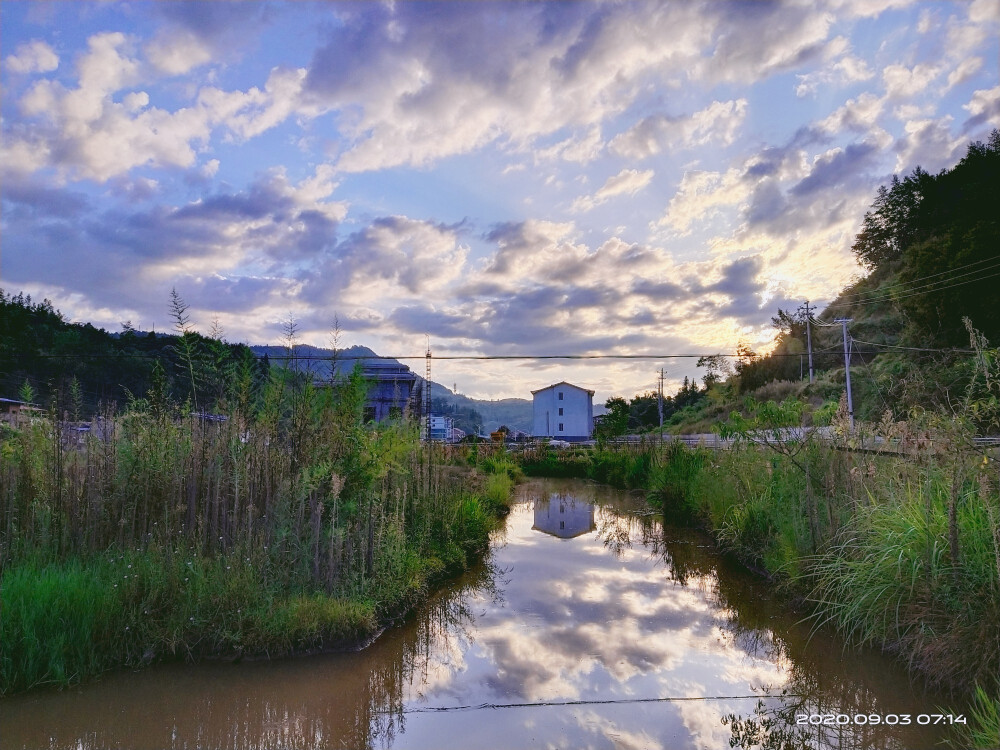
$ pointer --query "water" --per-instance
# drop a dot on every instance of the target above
(590, 625)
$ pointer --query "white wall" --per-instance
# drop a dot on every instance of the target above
(577, 419)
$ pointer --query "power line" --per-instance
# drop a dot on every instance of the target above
(916, 348)
(912, 292)
(596, 702)
(364, 357)
(993, 261)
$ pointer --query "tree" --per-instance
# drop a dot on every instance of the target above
(187, 345)
(717, 368)
(893, 222)
(615, 422)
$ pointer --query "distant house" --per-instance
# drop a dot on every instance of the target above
(390, 387)
(564, 411)
(11, 409)
(441, 428)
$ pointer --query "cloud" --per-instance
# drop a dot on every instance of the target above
(860, 115)
(626, 182)
(984, 107)
(756, 40)
(178, 53)
(835, 167)
(927, 143)
(904, 83)
(393, 259)
(85, 134)
(415, 84)
(32, 57)
(717, 124)
(118, 254)
(700, 194)
(843, 72)
(197, 33)
(964, 71)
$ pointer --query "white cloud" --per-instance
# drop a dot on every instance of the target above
(843, 72)
(902, 82)
(927, 143)
(860, 115)
(92, 136)
(210, 168)
(718, 123)
(443, 85)
(985, 105)
(32, 57)
(867, 8)
(580, 149)
(965, 70)
(984, 11)
(626, 182)
(249, 113)
(700, 194)
(178, 52)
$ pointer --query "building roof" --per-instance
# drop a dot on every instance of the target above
(562, 382)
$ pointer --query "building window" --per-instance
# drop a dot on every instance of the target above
(560, 411)
(562, 525)
(560, 427)
(560, 396)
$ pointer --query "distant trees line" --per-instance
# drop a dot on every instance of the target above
(76, 368)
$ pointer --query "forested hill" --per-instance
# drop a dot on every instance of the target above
(931, 245)
(76, 367)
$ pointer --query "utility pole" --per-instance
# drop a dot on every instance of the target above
(427, 390)
(659, 400)
(809, 340)
(847, 368)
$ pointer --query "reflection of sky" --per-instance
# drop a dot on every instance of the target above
(580, 623)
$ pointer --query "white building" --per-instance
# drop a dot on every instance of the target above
(564, 411)
(441, 428)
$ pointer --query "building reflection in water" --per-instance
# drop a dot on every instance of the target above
(564, 516)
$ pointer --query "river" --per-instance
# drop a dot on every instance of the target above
(591, 624)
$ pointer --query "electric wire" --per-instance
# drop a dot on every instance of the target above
(927, 289)
(595, 702)
(916, 348)
(994, 262)
(478, 357)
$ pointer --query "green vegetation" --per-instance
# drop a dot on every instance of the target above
(76, 370)
(286, 525)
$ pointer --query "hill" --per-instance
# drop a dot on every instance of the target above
(930, 245)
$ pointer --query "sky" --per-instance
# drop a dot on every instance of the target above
(491, 178)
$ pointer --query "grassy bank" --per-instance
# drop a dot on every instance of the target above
(897, 551)
(289, 526)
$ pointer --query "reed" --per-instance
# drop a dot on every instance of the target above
(289, 525)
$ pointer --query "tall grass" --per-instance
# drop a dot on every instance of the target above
(290, 525)
(890, 579)
(898, 551)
